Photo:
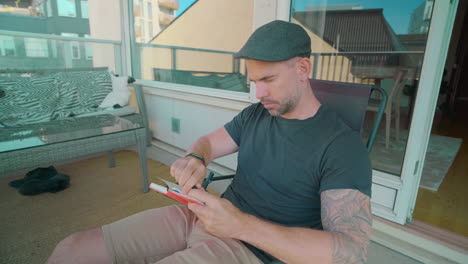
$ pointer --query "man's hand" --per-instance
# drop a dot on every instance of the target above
(188, 171)
(219, 216)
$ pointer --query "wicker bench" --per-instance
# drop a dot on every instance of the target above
(45, 143)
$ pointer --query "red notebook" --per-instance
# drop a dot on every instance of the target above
(174, 191)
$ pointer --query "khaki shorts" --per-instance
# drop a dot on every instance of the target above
(170, 234)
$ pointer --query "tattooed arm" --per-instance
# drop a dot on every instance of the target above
(346, 215)
(346, 219)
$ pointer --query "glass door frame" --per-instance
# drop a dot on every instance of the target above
(440, 32)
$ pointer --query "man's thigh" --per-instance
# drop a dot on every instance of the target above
(202, 247)
(149, 236)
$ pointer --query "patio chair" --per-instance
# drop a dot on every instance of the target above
(349, 101)
(393, 105)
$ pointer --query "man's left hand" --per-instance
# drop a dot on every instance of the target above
(219, 216)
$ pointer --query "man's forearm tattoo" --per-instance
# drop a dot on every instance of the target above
(347, 215)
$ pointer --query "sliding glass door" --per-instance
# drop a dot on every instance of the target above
(398, 46)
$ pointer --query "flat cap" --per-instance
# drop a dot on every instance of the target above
(276, 41)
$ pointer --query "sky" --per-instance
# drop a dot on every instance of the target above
(183, 4)
(397, 12)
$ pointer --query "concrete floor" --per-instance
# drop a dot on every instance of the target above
(379, 254)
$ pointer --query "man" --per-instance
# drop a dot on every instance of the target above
(301, 190)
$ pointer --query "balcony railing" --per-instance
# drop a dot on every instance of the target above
(185, 65)
(364, 67)
(32, 51)
(190, 66)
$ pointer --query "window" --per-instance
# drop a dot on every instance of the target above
(7, 46)
(149, 19)
(428, 10)
(43, 37)
(150, 30)
(53, 48)
(49, 8)
(139, 30)
(73, 45)
(66, 8)
(36, 47)
(196, 51)
(149, 10)
(84, 9)
(138, 8)
(42, 10)
(88, 49)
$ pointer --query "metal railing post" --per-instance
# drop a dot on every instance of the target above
(174, 58)
(314, 70)
(235, 65)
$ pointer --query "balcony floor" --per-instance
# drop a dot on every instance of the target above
(31, 226)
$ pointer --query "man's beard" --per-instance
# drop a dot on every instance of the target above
(285, 108)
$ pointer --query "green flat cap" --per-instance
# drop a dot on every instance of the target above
(276, 41)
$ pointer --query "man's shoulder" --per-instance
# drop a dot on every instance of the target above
(332, 124)
(328, 115)
(338, 133)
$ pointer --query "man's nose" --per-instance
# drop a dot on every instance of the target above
(261, 90)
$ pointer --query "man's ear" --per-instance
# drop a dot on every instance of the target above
(304, 67)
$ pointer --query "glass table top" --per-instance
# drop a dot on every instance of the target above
(33, 135)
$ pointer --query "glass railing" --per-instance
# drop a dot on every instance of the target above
(190, 66)
(29, 52)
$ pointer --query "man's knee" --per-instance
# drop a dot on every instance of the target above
(81, 247)
(63, 250)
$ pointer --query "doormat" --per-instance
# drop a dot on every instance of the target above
(440, 154)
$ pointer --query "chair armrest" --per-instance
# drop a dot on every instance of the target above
(378, 118)
(210, 178)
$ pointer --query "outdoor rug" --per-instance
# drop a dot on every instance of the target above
(31, 226)
(439, 157)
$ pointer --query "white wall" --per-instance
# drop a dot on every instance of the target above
(196, 119)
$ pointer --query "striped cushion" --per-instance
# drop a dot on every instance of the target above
(54, 96)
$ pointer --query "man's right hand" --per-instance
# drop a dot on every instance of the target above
(189, 171)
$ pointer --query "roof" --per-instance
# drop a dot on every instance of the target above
(352, 30)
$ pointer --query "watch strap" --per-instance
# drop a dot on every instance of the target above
(196, 156)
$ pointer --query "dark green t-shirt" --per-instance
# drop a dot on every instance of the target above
(284, 165)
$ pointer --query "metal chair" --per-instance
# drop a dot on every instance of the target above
(349, 101)
(392, 106)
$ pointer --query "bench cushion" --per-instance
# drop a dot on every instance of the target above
(52, 96)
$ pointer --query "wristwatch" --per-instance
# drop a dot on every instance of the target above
(197, 156)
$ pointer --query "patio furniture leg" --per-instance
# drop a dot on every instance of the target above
(142, 142)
